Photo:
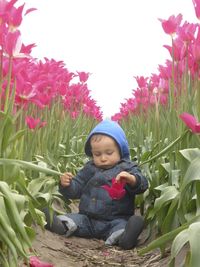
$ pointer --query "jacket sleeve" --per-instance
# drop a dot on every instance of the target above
(78, 183)
(141, 183)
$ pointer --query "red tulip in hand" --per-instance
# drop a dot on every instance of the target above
(116, 191)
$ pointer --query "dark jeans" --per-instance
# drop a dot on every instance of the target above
(91, 228)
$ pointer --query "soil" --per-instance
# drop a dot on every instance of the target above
(63, 251)
(79, 252)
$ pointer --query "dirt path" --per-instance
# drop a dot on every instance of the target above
(80, 252)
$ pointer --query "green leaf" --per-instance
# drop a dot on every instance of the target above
(17, 136)
(170, 219)
(194, 237)
(166, 167)
(164, 239)
(35, 185)
(190, 153)
(180, 240)
(192, 174)
(168, 193)
(29, 165)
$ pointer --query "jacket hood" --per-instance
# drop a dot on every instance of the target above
(112, 129)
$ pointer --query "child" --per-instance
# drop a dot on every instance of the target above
(103, 213)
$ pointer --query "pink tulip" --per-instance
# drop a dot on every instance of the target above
(191, 122)
(170, 26)
(196, 4)
(12, 43)
(116, 191)
(35, 262)
(141, 81)
(33, 123)
(83, 76)
(15, 16)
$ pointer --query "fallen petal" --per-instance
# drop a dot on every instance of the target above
(35, 262)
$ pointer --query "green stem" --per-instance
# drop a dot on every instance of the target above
(8, 85)
(166, 149)
(1, 75)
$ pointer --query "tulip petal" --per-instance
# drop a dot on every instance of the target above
(197, 128)
(189, 120)
(116, 191)
(35, 262)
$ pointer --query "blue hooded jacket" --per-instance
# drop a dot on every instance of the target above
(86, 185)
(112, 129)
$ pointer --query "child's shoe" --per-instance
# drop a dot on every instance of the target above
(56, 225)
(134, 227)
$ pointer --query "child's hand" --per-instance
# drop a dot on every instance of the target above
(126, 177)
(66, 178)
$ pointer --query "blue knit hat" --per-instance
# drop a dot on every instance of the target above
(114, 130)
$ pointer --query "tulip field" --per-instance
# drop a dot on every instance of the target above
(46, 113)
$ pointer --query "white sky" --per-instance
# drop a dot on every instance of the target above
(112, 39)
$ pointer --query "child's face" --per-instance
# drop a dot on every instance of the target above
(105, 151)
